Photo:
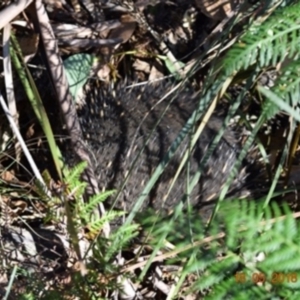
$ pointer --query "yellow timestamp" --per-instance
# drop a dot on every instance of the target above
(260, 278)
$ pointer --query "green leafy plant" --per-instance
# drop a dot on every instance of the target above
(248, 226)
(238, 251)
(249, 249)
(36, 102)
(78, 68)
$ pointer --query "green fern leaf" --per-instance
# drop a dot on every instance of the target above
(266, 44)
(93, 202)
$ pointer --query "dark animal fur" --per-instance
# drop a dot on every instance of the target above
(116, 128)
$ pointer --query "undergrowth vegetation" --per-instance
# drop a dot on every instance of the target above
(248, 249)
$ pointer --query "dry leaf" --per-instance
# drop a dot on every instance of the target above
(18, 206)
(217, 9)
(125, 31)
(30, 132)
(155, 74)
(8, 176)
(141, 65)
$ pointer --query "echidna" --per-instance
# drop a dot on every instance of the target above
(116, 125)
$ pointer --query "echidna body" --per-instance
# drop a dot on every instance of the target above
(116, 126)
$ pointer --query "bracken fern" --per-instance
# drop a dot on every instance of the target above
(248, 241)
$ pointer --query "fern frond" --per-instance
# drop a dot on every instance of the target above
(93, 202)
(266, 44)
(96, 226)
(73, 181)
(252, 230)
(75, 173)
(120, 239)
(269, 109)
